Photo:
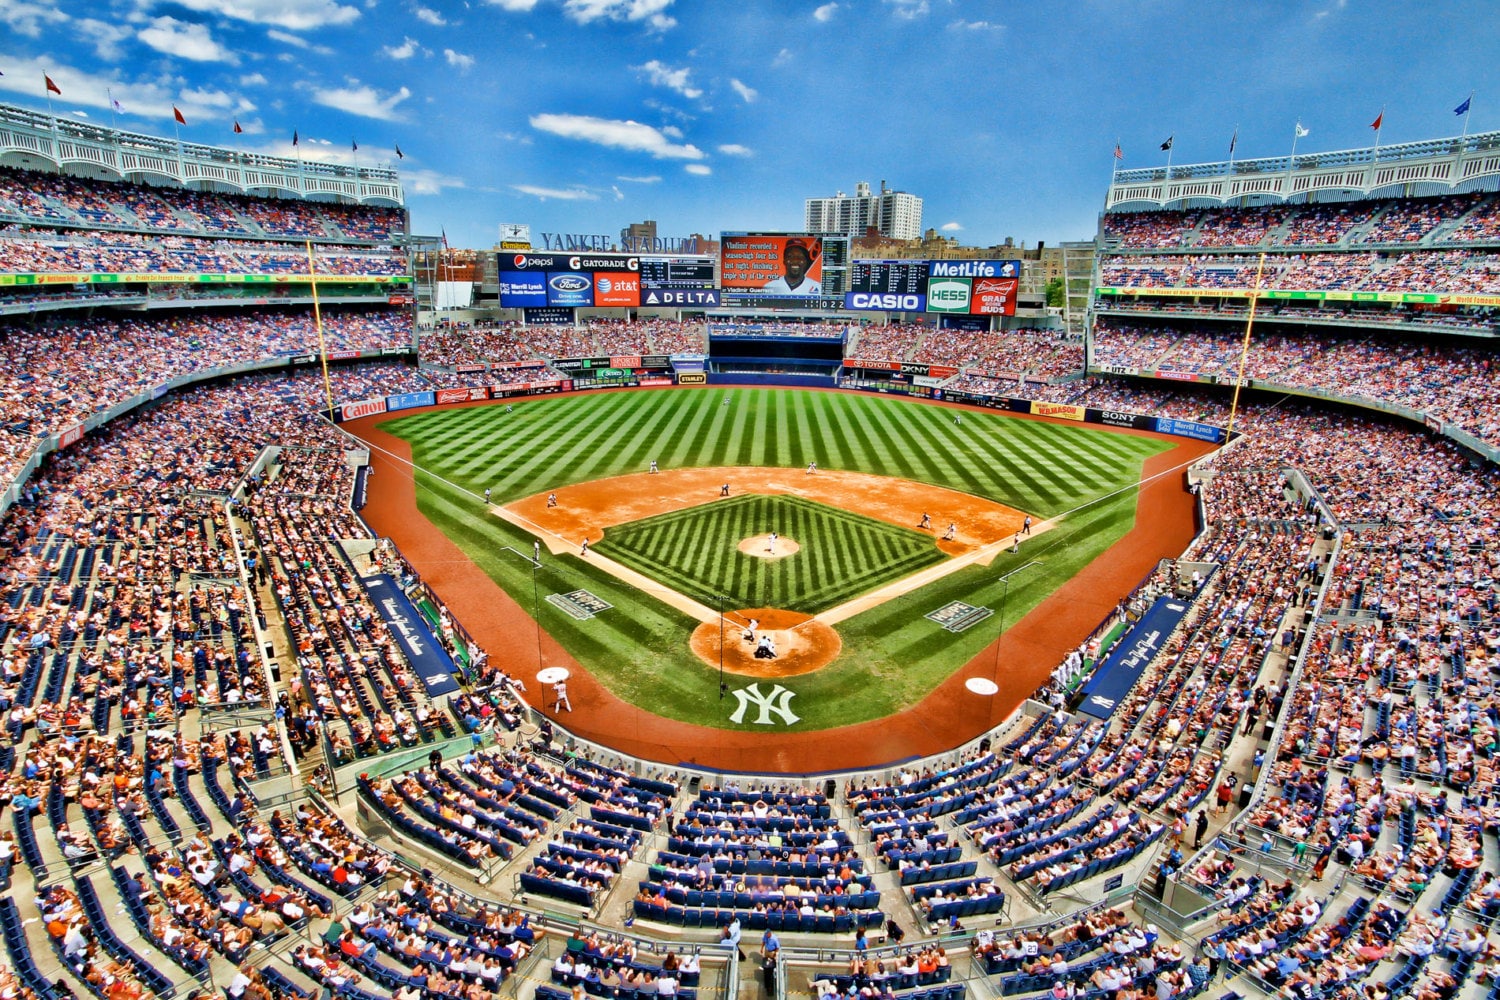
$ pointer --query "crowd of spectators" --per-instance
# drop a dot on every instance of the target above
(108, 252)
(31, 196)
(454, 344)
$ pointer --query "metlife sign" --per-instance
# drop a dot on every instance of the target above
(974, 269)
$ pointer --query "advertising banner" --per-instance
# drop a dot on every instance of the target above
(1119, 418)
(522, 289)
(568, 288)
(692, 378)
(994, 296)
(70, 436)
(1064, 411)
(617, 288)
(885, 301)
(1114, 678)
(677, 272)
(948, 295)
(468, 395)
(960, 322)
(363, 408)
(680, 297)
(427, 658)
(1189, 428)
(771, 264)
(410, 400)
(550, 262)
(548, 316)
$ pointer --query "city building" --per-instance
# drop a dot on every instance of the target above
(895, 214)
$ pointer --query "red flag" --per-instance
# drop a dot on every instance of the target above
(52, 87)
(1119, 153)
(178, 115)
(1378, 119)
(237, 129)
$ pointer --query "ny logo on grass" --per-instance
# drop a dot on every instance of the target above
(778, 701)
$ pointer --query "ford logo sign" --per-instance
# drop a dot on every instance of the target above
(568, 283)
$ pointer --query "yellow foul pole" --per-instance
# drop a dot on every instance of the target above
(312, 279)
(1239, 378)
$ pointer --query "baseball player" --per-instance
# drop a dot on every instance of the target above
(585, 551)
(653, 467)
(486, 494)
(771, 543)
(926, 521)
(1026, 525)
(551, 499)
(952, 530)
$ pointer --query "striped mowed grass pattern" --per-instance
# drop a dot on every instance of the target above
(548, 443)
(842, 554)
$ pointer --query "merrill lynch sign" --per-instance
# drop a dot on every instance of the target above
(633, 244)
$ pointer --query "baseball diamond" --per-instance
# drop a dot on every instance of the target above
(843, 554)
(891, 656)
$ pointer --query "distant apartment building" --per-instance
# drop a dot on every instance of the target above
(894, 214)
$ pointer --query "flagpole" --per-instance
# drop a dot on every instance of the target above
(114, 123)
(1233, 141)
(1296, 134)
(1169, 157)
(177, 131)
(1379, 124)
(358, 199)
(1468, 107)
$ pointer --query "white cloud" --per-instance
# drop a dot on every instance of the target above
(362, 101)
(747, 94)
(619, 195)
(662, 75)
(211, 98)
(80, 114)
(701, 169)
(405, 50)
(28, 18)
(783, 57)
(962, 25)
(649, 12)
(671, 130)
(106, 37)
(426, 181)
(430, 16)
(648, 179)
(557, 194)
(252, 80)
(514, 6)
(735, 149)
(824, 13)
(630, 135)
(910, 10)
(951, 227)
(139, 100)
(186, 40)
(458, 59)
(295, 15)
(297, 41)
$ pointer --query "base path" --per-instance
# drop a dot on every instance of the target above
(946, 718)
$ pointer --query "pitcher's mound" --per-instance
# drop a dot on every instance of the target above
(802, 644)
(760, 547)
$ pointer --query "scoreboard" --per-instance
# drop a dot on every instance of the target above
(889, 277)
(677, 272)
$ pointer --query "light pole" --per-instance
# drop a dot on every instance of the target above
(722, 686)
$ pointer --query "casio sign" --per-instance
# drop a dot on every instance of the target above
(877, 300)
(568, 283)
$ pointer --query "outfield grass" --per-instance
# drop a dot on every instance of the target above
(842, 555)
(892, 655)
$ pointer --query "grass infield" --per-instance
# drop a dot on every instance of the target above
(842, 554)
(892, 656)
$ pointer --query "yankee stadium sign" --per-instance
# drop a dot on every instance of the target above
(630, 244)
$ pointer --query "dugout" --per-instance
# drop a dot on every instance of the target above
(775, 353)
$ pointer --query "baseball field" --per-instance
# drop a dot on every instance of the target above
(667, 552)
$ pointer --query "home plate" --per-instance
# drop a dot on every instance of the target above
(981, 685)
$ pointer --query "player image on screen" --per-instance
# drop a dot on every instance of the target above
(796, 260)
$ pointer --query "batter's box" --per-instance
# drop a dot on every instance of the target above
(955, 616)
(580, 604)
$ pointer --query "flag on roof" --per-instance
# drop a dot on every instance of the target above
(237, 129)
(400, 155)
(1302, 133)
(52, 87)
(1463, 108)
(1119, 153)
(1234, 141)
(294, 137)
(355, 144)
(178, 115)
(1168, 144)
(1378, 119)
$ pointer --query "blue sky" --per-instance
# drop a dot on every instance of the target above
(581, 116)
